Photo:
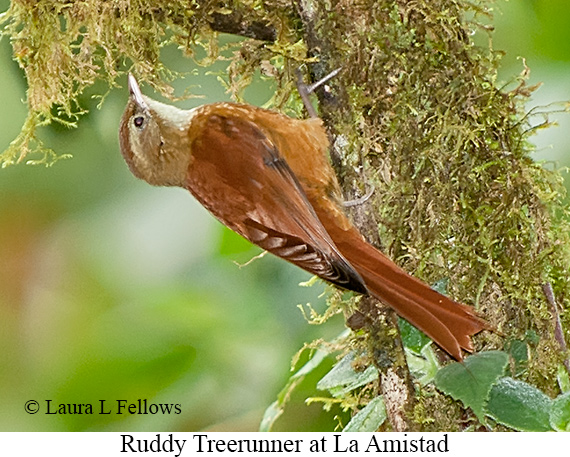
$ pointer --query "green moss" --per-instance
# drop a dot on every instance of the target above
(416, 113)
(457, 194)
(64, 47)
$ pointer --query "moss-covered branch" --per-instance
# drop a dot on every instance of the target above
(65, 46)
(415, 113)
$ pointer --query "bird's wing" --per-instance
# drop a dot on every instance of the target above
(238, 174)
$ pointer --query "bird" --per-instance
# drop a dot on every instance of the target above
(268, 177)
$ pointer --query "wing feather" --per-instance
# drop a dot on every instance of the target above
(234, 160)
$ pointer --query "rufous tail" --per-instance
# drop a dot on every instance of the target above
(448, 323)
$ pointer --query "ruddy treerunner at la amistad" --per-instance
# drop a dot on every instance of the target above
(267, 177)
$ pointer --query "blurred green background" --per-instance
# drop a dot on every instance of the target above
(114, 290)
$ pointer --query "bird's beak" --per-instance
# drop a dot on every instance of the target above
(136, 93)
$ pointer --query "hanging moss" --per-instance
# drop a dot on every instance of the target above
(416, 113)
(457, 194)
(65, 46)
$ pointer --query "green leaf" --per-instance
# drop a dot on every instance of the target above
(472, 380)
(563, 379)
(271, 414)
(518, 351)
(441, 285)
(412, 338)
(424, 367)
(275, 409)
(343, 378)
(311, 364)
(369, 418)
(520, 406)
(560, 413)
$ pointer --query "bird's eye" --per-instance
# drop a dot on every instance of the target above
(138, 122)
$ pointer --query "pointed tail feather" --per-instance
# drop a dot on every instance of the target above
(448, 323)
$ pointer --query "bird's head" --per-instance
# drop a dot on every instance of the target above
(154, 139)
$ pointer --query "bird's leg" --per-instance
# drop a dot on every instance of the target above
(359, 200)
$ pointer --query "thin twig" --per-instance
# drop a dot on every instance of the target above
(558, 331)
